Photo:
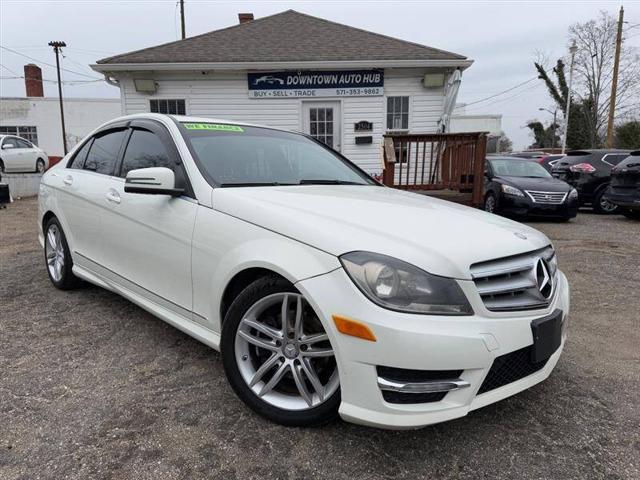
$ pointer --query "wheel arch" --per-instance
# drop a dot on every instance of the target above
(239, 282)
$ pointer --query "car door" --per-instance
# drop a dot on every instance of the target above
(11, 154)
(82, 195)
(149, 235)
(28, 155)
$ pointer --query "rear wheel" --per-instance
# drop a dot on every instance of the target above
(277, 356)
(40, 166)
(1, 167)
(58, 257)
(602, 205)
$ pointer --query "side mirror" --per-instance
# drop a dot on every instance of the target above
(8, 146)
(152, 181)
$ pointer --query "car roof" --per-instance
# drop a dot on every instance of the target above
(186, 119)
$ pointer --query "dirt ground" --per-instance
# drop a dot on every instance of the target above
(93, 387)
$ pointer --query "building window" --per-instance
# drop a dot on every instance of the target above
(171, 107)
(28, 133)
(397, 113)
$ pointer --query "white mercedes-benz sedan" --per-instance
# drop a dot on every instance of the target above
(326, 292)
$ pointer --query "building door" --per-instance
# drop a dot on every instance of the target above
(322, 121)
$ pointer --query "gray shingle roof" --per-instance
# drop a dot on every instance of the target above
(289, 36)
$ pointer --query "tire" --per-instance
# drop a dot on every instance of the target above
(632, 214)
(284, 401)
(40, 166)
(490, 203)
(57, 257)
(602, 205)
(1, 167)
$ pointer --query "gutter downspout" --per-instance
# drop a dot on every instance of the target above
(450, 97)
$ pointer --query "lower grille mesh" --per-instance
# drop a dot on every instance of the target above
(510, 367)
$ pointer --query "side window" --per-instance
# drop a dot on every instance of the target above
(103, 153)
(9, 141)
(23, 143)
(78, 160)
(145, 150)
(613, 160)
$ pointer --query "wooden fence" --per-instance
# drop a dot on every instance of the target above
(438, 161)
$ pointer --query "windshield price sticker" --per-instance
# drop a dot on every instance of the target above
(213, 126)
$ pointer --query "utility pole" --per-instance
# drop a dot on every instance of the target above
(182, 18)
(56, 48)
(572, 49)
(614, 82)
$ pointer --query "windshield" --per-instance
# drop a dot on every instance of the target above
(234, 155)
(518, 168)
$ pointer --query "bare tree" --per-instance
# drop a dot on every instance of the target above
(593, 70)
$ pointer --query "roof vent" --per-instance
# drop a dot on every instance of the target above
(245, 17)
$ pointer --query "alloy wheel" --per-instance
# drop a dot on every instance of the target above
(54, 252)
(283, 353)
(490, 204)
(40, 166)
(606, 205)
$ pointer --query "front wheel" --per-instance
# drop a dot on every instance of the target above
(490, 203)
(277, 355)
(40, 166)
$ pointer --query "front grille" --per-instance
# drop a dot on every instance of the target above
(510, 367)
(547, 198)
(516, 282)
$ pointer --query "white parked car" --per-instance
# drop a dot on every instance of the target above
(326, 292)
(20, 155)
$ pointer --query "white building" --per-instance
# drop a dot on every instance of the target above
(340, 84)
(484, 122)
(37, 118)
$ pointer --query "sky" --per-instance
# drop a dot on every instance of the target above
(503, 39)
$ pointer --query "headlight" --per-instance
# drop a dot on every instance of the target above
(509, 190)
(573, 194)
(397, 285)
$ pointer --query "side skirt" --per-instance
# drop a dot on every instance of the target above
(173, 314)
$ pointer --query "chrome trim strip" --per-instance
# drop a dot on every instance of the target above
(432, 386)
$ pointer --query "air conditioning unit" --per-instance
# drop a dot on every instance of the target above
(433, 80)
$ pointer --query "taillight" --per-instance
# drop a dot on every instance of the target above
(582, 168)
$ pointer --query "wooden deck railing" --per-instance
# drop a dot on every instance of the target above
(438, 161)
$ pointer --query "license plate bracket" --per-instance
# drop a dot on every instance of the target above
(547, 336)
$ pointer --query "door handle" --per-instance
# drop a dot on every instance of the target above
(68, 180)
(113, 196)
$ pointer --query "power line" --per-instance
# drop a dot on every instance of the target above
(48, 64)
(499, 93)
(502, 100)
(68, 82)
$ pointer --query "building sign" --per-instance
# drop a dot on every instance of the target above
(363, 126)
(322, 83)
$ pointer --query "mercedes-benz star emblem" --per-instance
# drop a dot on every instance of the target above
(543, 279)
(520, 235)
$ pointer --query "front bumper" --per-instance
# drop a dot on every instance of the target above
(423, 342)
(523, 206)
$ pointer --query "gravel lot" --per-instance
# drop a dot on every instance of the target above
(91, 386)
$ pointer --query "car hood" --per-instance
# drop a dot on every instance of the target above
(440, 237)
(537, 184)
